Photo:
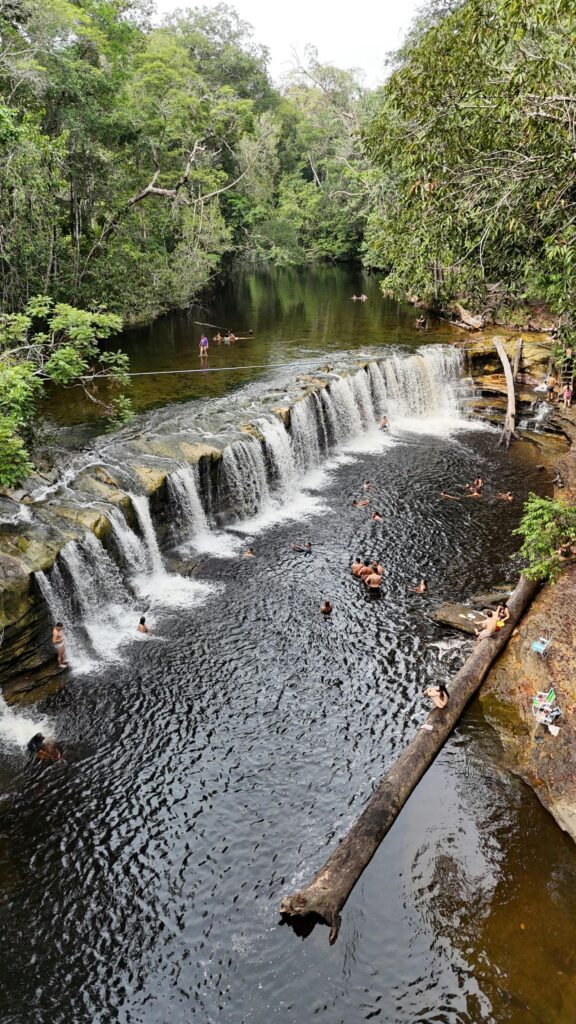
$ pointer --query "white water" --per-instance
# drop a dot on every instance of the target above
(16, 727)
(192, 527)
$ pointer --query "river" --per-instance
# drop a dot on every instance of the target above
(213, 766)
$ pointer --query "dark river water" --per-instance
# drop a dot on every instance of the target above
(215, 766)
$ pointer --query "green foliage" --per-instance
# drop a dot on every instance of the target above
(546, 526)
(474, 141)
(58, 344)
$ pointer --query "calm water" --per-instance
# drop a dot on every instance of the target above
(214, 768)
(292, 313)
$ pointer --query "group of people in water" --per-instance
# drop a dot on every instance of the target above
(229, 338)
(475, 490)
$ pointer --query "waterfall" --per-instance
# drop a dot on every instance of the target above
(245, 477)
(424, 385)
(191, 521)
(280, 450)
(141, 507)
(130, 546)
(85, 591)
(16, 728)
(347, 415)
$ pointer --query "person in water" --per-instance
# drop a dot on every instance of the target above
(306, 549)
(385, 424)
(367, 485)
(58, 642)
(360, 504)
(230, 338)
(376, 517)
(452, 497)
(505, 496)
(249, 553)
(373, 581)
(326, 608)
(421, 587)
(438, 695)
(142, 627)
(45, 748)
(378, 568)
(217, 338)
(365, 571)
(203, 346)
(357, 566)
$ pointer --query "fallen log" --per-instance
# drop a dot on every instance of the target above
(509, 428)
(324, 897)
(517, 359)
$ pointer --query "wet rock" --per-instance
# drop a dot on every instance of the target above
(152, 478)
(496, 596)
(458, 616)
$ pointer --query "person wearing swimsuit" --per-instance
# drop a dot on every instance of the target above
(58, 642)
(203, 346)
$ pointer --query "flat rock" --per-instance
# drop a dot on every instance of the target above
(458, 616)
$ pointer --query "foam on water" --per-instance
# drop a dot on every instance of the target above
(16, 727)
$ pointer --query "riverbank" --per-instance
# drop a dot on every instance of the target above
(545, 762)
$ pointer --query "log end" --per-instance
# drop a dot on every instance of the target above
(302, 912)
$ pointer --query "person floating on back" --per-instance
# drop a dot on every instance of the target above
(306, 549)
(58, 642)
(142, 627)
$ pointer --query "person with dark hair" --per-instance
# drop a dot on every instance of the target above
(376, 517)
(487, 627)
(357, 565)
(378, 568)
(306, 548)
(421, 587)
(502, 616)
(142, 627)
(365, 571)
(438, 695)
(50, 751)
(58, 642)
(326, 608)
(385, 424)
(360, 504)
(34, 744)
(373, 582)
(249, 553)
(505, 496)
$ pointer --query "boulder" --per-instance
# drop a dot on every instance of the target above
(458, 616)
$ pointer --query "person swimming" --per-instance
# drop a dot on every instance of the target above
(365, 571)
(357, 566)
(306, 549)
(142, 627)
(326, 608)
(421, 587)
(376, 517)
(505, 496)
(360, 504)
(249, 553)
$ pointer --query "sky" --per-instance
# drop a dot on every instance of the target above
(345, 35)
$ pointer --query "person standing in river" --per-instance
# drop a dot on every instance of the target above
(58, 641)
(203, 346)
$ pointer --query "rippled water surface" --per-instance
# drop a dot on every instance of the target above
(215, 764)
(215, 767)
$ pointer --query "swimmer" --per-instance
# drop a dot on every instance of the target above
(373, 581)
(421, 587)
(306, 549)
(231, 337)
(354, 298)
(58, 642)
(249, 553)
(203, 346)
(326, 608)
(452, 497)
(360, 504)
(438, 695)
(473, 493)
(362, 298)
(505, 496)
(365, 571)
(357, 565)
(367, 485)
(378, 568)
(142, 627)
(217, 339)
(385, 423)
(50, 751)
(376, 517)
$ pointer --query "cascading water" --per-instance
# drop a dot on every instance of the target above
(245, 477)
(190, 517)
(130, 546)
(86, 592)
(153, 554)
(17, 728)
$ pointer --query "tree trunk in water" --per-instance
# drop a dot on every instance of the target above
(324, 897)
(509, 428)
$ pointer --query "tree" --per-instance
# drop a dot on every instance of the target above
(53, 343)
(547, 526)
(475, 141)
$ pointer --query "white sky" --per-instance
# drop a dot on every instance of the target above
(347, 35)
